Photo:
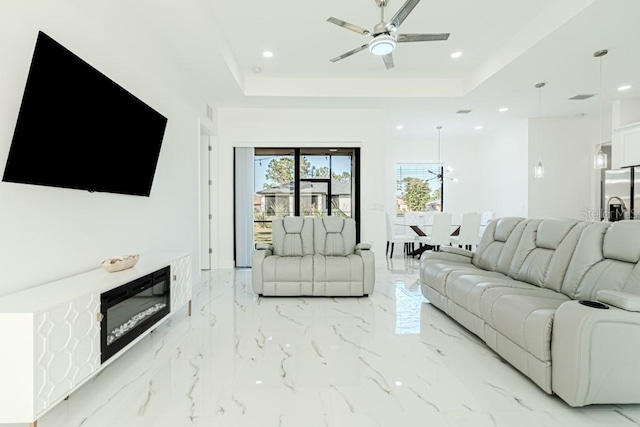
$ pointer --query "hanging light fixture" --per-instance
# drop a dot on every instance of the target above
(443, 170)
(600, 159)
(538, 170)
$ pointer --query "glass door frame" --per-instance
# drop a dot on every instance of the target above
(355, 178)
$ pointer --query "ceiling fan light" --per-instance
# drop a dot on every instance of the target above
(382, 45)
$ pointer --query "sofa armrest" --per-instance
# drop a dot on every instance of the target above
(622, 300)
(457, 251)
(369, 264)
(594, 352)
(257, 260)
(264, 246)
(363, 246)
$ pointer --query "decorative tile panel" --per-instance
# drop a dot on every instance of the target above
(67, 348)
(180, 282)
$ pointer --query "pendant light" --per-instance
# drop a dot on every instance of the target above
(538, 170)
(600, 159)
(443, 170)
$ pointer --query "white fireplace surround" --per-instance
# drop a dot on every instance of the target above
(50, 334)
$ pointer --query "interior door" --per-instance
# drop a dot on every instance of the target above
(205, 197)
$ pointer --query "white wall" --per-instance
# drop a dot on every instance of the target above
(255, 127)
(502, 171)
(48, 233)
(566, 148)
(459, 197)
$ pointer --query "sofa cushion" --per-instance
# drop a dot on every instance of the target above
(334, 236)
(436, 265)
(524, 315)
(466, 288)
(287, 275)
(498, 244)
(597, 263)
(338, 275)
(292, 236)
(435, 272)
(544, 252)
(621, 242)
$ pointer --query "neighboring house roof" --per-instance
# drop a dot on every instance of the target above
(337, 188)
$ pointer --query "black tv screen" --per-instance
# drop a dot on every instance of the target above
(79, 129)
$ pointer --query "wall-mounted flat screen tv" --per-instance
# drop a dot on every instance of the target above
(79, 129)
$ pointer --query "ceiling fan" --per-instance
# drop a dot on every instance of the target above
(384, 33)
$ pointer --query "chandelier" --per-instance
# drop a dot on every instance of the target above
(442, 171)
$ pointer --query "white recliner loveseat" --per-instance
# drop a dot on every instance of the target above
(557, 299)
(313, 256)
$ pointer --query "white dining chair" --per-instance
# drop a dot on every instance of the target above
(411, 218)
(469, 233)
(392, 238)
(487, 217)
(440, 231)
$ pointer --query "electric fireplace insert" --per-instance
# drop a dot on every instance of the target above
(129, 310)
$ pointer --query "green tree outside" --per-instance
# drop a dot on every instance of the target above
(281, 171)
(415, 193)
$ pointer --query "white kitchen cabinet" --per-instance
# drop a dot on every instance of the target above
(625, 150)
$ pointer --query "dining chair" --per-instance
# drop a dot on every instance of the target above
(469, 234)
(440, 231)
(427, 218)
(487, 217)
(411, 218)
(393, 238)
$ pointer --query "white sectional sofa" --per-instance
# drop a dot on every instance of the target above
(524, 290)
(313, 256)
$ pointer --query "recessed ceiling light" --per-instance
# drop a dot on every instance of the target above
(267, 54)
(624, 87)
(503, 109)
(478, 127)
(333, 150)
(456, 54)
(399, 127)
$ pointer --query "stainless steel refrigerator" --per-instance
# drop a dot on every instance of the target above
(621, 194)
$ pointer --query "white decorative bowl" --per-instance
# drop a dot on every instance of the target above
(119, 263)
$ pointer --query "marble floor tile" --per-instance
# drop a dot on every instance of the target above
(391, 359)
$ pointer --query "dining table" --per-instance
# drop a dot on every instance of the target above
(423, 230)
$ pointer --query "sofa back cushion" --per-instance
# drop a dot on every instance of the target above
(545, 250)
(334, 236)
(292, 236)
(498, 244)
(606, 257)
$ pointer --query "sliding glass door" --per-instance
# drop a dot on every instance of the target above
(304, 182)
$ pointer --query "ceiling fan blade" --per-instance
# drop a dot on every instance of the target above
(349, 26)
(405, 38)
(402, 14)
(388, 61)
(351, 52)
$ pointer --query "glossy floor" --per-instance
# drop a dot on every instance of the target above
(390, 359)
